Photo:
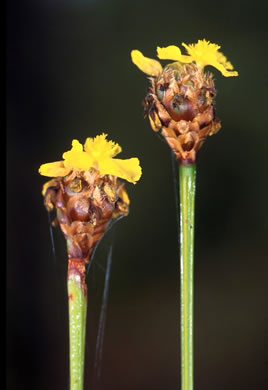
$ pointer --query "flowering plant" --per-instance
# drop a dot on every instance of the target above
(180, 104)
(87, 195)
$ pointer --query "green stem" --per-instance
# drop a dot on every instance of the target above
(187, 198)
(77, 297)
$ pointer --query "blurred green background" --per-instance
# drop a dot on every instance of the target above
(69, 75)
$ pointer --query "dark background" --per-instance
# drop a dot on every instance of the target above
(69, 75)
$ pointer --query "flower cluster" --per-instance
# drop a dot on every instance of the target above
(86, 192)
(180, 101)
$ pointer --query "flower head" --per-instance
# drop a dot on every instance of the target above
(85, 203)
(180, 102)
(86, 192)
(97, 153)
(202, 53)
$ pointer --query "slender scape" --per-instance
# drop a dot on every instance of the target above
(77, 299)
(86, 195)
(187, 176)
(85, 204)
(180, 104)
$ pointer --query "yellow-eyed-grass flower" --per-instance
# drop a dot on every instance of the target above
(87, 195)
(180, 101)
(180, 104)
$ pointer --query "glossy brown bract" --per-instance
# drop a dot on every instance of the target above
(180, 103)
(85, 203)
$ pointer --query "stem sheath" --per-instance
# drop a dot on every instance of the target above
(77, 297)
(187, 174)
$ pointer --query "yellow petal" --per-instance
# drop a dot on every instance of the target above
(147, 65)
(129, 169)
(54, 169)
(172, 53)
(76, 158)
(76, 146)
(205, 53)
(223, 69)
(169, 53)
(223, 60)
(99, 147)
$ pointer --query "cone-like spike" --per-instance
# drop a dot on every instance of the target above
(180, 103)
(85, 203)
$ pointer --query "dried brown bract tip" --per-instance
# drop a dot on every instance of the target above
(85, 202)
(180, 104)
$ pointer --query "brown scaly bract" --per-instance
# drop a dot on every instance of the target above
(85, 202)
(180, 103)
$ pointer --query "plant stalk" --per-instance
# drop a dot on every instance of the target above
(187, 177)
(77, 298)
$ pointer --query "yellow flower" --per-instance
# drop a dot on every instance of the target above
(202, 53)
(206, 53)
(98, 153)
